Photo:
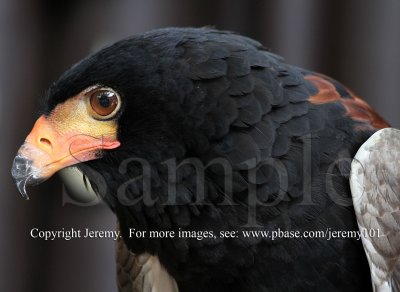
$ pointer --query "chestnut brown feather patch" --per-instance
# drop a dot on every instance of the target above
(355, 107)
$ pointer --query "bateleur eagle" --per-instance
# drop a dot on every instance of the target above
(204, 131)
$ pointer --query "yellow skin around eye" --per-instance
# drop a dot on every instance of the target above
(76, 116)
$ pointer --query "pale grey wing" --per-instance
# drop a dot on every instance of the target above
(375, 187)
(141, 273)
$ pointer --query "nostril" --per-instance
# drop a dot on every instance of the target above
(45, 142)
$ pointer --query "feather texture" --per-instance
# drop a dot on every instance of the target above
(375, 185)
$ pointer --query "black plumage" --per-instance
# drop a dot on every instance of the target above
(208, 94)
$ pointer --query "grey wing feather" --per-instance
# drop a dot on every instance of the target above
(375, 186)
(141, 272)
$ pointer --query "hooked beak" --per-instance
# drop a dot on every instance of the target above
(47, 150)
(23, 171)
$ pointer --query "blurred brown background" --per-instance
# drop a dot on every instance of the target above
(354, 41)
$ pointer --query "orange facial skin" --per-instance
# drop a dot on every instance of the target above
(55, 150)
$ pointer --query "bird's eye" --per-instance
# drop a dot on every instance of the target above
(104, 102)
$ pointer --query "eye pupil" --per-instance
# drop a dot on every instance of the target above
(104, 99)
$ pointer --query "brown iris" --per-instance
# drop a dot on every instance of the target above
(104, 102)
